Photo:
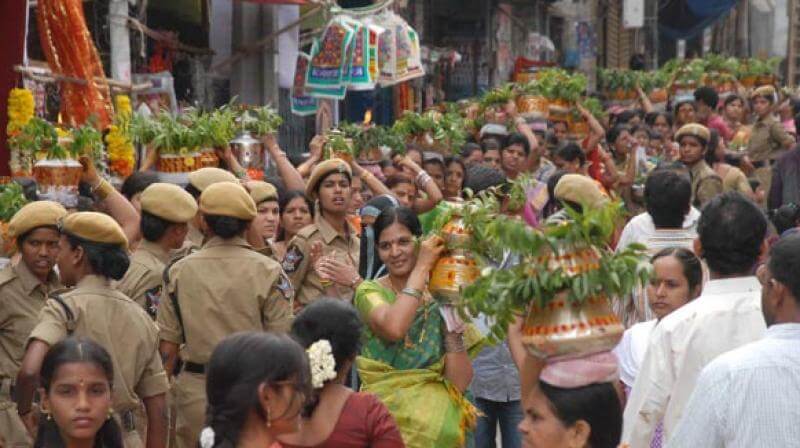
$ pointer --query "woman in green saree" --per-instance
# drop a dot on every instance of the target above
(410, 359)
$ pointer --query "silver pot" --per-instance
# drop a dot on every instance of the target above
(249, 152)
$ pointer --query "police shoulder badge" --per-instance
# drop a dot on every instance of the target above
(152, 298)
(284, 285)
(294, 256)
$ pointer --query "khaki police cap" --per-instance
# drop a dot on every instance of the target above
(581, 190)
(204, 177)
(228, 199)
(767, 92)
(322, 170)
(261, 191)
(33, 215)
(94, 227)
(169, 202)
(694, 130)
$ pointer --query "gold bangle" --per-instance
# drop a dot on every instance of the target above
(103, 189)
(365, 175)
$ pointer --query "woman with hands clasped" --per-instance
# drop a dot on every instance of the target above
(414, 356)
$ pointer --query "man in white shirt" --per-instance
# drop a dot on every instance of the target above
(749, 396)
(727, 315)
(670, 221)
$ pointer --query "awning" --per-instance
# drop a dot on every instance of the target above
(684, 19)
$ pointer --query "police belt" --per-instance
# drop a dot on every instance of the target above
(193, 367)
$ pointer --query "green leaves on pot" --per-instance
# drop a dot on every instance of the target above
(498, 97)
(36, 135)
(261, 121)
(447, 130)
(502, 293)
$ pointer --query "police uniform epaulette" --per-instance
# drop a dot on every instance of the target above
(7, 274)
(307, 231)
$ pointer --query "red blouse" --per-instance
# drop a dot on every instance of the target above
(364, 422)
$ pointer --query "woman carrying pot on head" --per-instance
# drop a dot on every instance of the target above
(414, 358)
(77, 381)
(296, 211)
(677, 279)
(252, 402)
(335, 416)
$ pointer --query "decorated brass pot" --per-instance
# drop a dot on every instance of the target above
(249, 152)
(533, 106)
(562, 329)
(569, 330)
(577, 128)
(456, 268)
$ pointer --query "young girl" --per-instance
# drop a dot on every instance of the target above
(76, 379)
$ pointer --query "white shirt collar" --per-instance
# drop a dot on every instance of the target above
(732, 285)
(789, 330)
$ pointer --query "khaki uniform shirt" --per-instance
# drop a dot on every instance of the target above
(706, 184)
(223, 288)
(767, 140)
(144, 278)
(297, 261)
(22, 297)
(118, 324)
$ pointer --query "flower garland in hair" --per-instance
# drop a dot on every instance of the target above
(322, 362)
(207, 437)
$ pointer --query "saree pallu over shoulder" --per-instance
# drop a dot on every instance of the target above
(408, 376)
(429, 411)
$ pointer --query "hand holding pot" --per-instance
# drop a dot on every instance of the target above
(89, 174)
(429, 252)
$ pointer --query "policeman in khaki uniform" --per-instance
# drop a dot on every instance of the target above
(23, 292)
(166, 210)
(264, 227)
(198, 181)
(706, 183)
(93, 250)
(223, 288)
(329, 237)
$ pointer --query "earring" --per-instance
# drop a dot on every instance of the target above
(269, 418)
(110, 413)
(47, 415)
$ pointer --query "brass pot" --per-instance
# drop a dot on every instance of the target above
(568, 330)
(533, 106)
(457, 268)
(452, 272)
(247, 150)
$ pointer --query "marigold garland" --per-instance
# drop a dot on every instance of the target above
(20, 109)
(120, 151)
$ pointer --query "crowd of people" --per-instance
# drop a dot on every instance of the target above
(295, 312)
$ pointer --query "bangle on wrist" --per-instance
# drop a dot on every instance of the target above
(102, 189)
(454, 343)
(415, 293)
(365, 175)
(356, 280)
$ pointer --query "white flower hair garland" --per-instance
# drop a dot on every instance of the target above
(207, 437)
(322, 362)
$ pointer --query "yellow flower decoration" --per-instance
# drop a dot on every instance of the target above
(20, 109)
(121, 158)
(123, 105)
